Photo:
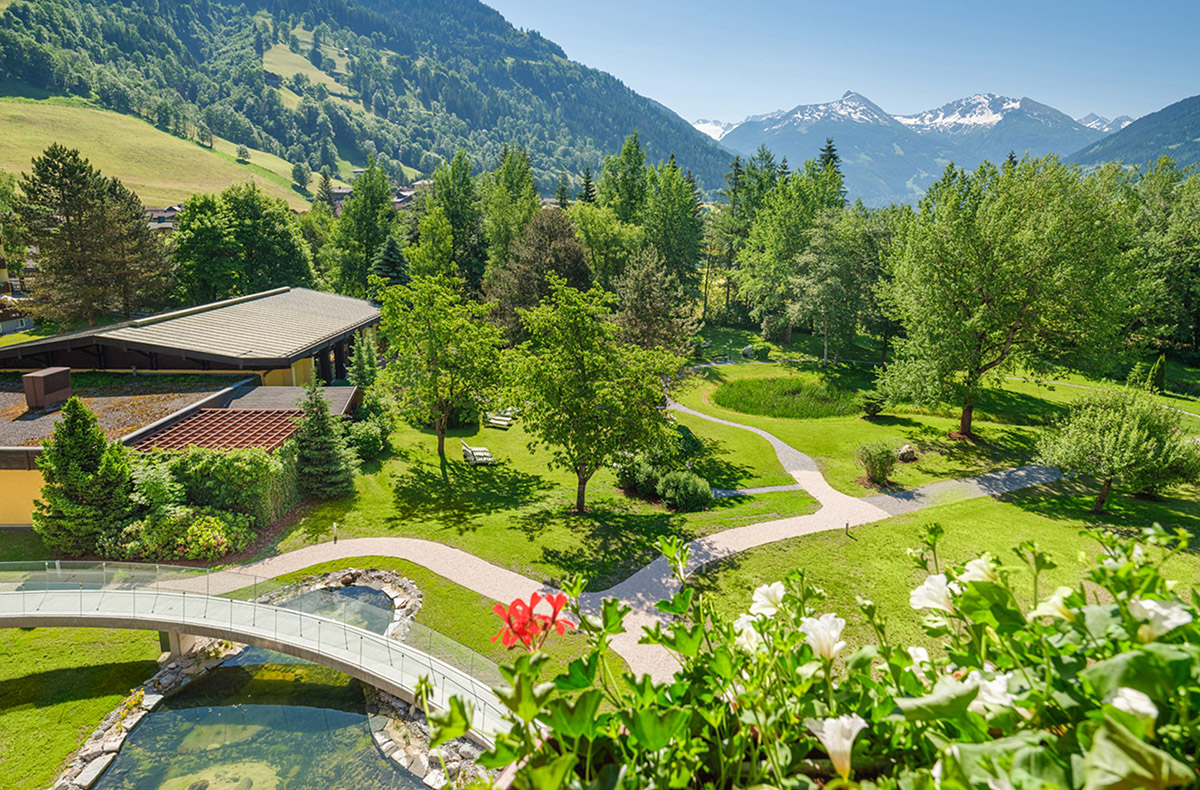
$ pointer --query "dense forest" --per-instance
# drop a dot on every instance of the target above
(408, 83)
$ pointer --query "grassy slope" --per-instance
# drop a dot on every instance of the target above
(1007, 419)
(516, 514)
(56, 684)
(874, 564)
(161, 168)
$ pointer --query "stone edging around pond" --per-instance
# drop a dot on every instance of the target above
(406, 598)
(101, 747)
(400, 731)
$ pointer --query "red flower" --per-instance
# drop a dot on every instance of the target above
(522, 624)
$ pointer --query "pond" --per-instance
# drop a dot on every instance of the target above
(266, 721)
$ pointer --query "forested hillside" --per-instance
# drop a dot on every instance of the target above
(331, 82)
(1173, 131)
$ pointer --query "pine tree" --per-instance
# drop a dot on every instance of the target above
(85, 499)
(560, 192)
(135, 262)
(325, 189)
(829, 155)
(1157, 380)
(324, 462)
(784, 170)
(364, 361)
(390, 263)
(1011, 161)
(587, 191)
(624, 180)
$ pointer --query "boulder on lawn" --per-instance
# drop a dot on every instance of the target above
(907, 454)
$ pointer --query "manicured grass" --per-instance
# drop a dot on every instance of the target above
(733, 457)
(873, 562)
(460, 614)
(517, 514)
(56, 684)
(22, 545)
(161, 168)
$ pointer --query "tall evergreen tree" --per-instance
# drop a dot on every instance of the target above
(561, 191)
(654, 309)
(390, 263)
(623, 181)
(325, 189)
(325, 464)
(831, 162)
(509, 203)
(454, 192)
(62, 208)
(364, 361)
(136, 264)
(85, 499)
(361, 229)
(674, 223)
(587, 190)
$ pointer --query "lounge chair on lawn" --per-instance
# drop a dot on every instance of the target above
(497, 420)
(476, 456)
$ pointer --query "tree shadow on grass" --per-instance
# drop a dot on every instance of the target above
(1127, 515)
(1017, 408)
(454, 493)
(714, 465)
(70, 684)
(611, 541)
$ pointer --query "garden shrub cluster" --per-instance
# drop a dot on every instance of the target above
(877, 459)
(252, 482)
(667, 475)
(1093, 687)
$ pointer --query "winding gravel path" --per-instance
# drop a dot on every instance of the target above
(654, 582)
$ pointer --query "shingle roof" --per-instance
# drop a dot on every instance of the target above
(284, 324)
(224, 429)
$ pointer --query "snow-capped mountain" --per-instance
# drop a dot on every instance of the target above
(1102, 124)
(883, 161)
(989, 126)
(714, 129)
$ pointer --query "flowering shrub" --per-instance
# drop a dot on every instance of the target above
(1096, 686)
(184, 533)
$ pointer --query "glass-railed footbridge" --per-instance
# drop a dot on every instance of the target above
(229, 605)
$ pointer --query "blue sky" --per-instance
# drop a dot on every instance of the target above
(726, 60)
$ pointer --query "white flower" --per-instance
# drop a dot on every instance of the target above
(837, 736)
(919, 655)
(934, 593)
(767, 599)
(1055, 606)
(822, 634)
(982, 569)
(1159, 616)
(1134, 702)
(1115, 563)
(999, 783)
(748, 638)
(993, 695)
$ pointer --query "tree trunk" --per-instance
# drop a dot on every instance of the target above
(787, 333)
(884, 352)
(825, 353)
(441, 432)
(1103, 496)
(968, 412)
(581, 490)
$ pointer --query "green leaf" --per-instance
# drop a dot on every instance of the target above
(450, 723)
(545, 777)
(1036, 766)
(574, 720)
(861, 660)
(680, 602)
(580, 674)
(1133, 669)
(653, 729)
(948, 700)
(1117, 760)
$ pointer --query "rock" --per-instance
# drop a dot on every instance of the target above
(390, 748)
(469, 751)
(419, 765)
(113, 744)
(133, 719)
(173, 665)
(88, 776)
(401, 759)
(452, 768)
(151, 701)
(907, 454)
(436, 755)
(377, 723)
(436, 780)
(347, 579)
(90, 750)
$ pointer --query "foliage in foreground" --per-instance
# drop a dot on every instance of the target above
(1095, 687)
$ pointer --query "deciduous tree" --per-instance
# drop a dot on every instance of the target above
(433, 254)
(1006, 267)
(454, 192)
(509, 203)
(361, 229)
(674, 223)
(587, 397)
(446, 352)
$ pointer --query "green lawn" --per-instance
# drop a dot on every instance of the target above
(1008, 419)
(460, 614)
(873, 562)
(161, 168)
(56, 684)
(517, 513)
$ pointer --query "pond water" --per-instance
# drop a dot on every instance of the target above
(266, 721)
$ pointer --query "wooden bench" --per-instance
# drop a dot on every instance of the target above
(477, 456)
(497, 420)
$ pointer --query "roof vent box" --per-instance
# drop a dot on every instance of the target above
(47, 387)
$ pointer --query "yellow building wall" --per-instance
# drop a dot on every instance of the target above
(277, 378)
(20, 489)
(302, 372)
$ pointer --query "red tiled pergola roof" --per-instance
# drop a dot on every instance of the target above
(224, 429)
